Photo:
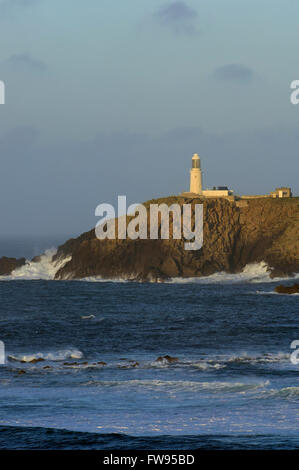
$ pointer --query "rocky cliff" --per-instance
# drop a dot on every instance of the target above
(7, 265)
(235, 234)
(287, 289)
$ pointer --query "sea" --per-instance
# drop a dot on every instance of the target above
(113, 364)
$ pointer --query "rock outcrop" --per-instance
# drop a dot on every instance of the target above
(287, 289)
(7, 265)
(234, 236)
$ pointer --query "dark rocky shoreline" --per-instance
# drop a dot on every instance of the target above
(287, 289)
(7, 265)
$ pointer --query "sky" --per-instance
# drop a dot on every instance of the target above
(108, 98)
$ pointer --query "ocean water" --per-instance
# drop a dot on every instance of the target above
(86, 368)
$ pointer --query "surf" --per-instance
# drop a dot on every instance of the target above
(46, 268)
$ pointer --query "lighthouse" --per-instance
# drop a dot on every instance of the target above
(195, 176)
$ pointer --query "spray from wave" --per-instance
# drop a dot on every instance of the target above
(44, 269)
(47, 356)
(255, 272)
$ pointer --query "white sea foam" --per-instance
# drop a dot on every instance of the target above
(59, 355)
(101, 279)
(43, 269)
(284, 393)
(221, 361)
(182, 385)
(288, 392)
(260, 359)
(255, 272)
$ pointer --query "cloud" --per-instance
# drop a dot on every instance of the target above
(234, 72)
(25, 61)
(178, 17)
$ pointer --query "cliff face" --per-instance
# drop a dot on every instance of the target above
(261, 230)
(7, 265)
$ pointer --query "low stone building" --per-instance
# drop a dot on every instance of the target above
(281, 192)
(220, 191)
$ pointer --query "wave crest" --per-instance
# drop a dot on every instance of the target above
(254, 272)
(44, 269)
(49, 356)
(169, 385)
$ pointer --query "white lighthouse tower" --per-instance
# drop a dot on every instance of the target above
(195, 176)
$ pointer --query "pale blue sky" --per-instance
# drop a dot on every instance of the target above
(104, 97)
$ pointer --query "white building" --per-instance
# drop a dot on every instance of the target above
(196, 176)
(196, 186)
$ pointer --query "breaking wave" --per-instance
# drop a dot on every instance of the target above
(219, 362)
(101, 279)
(182, 385)
(45, 269)
(255, 272)
(287, 392)
(48, 356)
(206, 364)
